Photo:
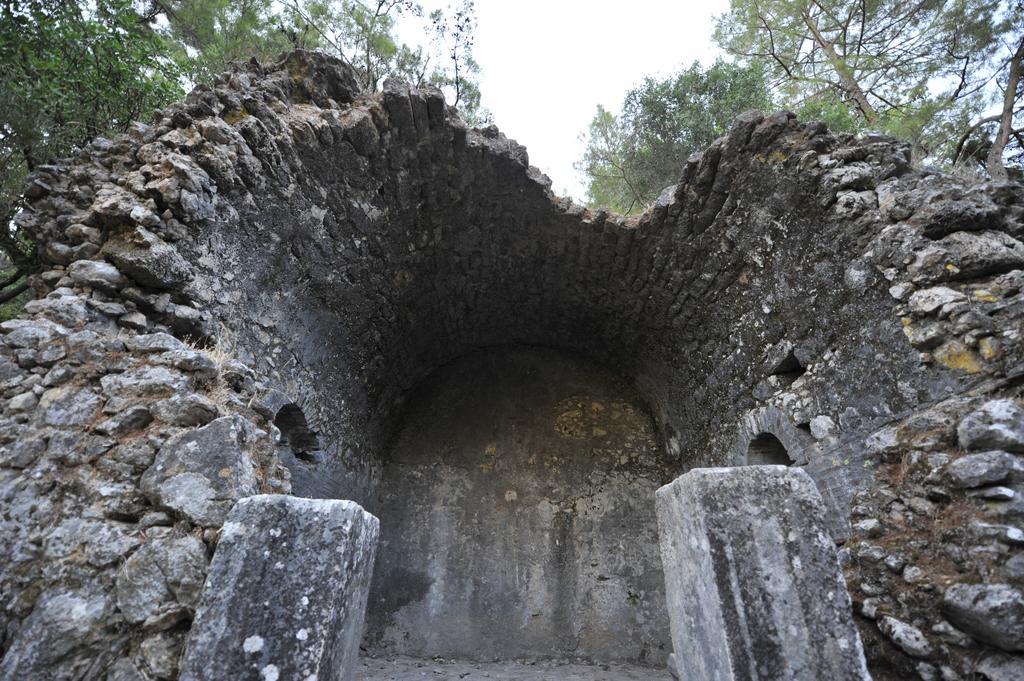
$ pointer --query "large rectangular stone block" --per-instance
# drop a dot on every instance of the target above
(753, 585)
(286, 594)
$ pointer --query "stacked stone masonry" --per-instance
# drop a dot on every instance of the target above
(280, 243)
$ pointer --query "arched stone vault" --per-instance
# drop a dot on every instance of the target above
(389, 239)
(344, 246)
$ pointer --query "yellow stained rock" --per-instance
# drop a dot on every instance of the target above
(955, 355)
(989, 348)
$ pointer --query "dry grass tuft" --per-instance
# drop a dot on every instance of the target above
(898, 472)
(220, 353)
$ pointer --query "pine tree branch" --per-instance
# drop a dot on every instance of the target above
(9, 295)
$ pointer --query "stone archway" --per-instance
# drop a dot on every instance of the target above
(767, 435)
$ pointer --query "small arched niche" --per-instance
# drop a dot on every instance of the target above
(518, 518)
(789, 369)
(296, 435)
(767, 450)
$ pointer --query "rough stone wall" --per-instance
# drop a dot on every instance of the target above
(121, 457)
(385, 256)
(517, 507)
(344, 246)
(935, 565)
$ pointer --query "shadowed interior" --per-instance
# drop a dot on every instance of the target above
(517, 516)
(767, 450)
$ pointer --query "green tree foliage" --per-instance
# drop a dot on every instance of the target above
(455, 35)
(605, 163)
(630, 158)
(69, 72)
(946, 75)
(211, 34)
(916, 69)
(364, 34)
(208, 35)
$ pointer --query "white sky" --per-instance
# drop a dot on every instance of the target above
(546, 65)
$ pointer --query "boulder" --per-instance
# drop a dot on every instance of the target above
(96, 274)
(68, 406)
(966, 255)
(985, 468)
(927, 301)
(143, 381)
(160, 583)
(153, 342)
(62, 636)
(907, 637)
(190, 409)
(24, 402)
(100, 542)
(127, 421)
(68, 311)
(1001, 667)
(162, 652)
(31, 333)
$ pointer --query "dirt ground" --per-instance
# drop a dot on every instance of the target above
(410, 669)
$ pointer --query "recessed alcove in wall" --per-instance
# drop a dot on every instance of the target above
(789, 369)
(767, 450)
(296, 434)
(517, 516)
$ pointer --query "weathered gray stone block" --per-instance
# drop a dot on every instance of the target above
(998, 424)
(160, 583)
(753, 584)
(993, 613)
(286, 594)
(986, 468)
(96, 273)
(147, 259)
(201, 473)
(61, 638)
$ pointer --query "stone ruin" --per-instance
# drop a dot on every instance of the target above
(284, 288)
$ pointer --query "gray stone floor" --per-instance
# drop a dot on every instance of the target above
(413, 669)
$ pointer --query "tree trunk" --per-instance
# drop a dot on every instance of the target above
(846, 80)
(995, 155)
